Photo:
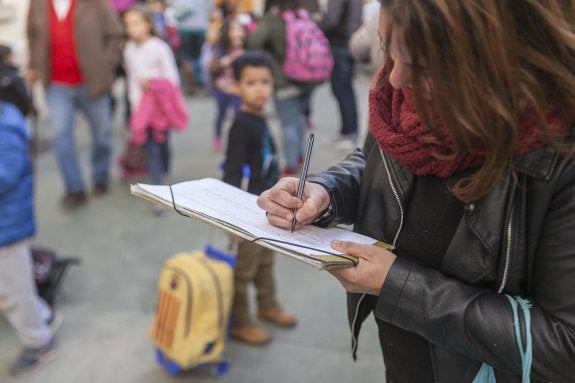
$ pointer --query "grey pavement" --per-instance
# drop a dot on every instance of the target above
(108, 301)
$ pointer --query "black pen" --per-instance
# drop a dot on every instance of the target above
(303, 175)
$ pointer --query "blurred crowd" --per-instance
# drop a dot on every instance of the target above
(167, 52)
(194, 43)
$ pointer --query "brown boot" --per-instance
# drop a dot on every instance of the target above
(73, 200)
(278, 316)
(251, 334)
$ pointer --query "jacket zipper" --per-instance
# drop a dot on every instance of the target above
(396, 195)
(398, 200)
(507, 253)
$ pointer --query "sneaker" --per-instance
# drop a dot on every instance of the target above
(308, 124)
(73, 200)
(32, 358)
(277, 316)
(218, 145)
(251, 334)
(100, 189)
(341, 143)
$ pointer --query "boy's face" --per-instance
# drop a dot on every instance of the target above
(255, 87)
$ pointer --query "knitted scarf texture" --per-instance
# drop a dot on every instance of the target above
(399, 131)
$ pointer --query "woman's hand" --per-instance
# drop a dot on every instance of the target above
(280, 200)
(144, 84)
(370, 272)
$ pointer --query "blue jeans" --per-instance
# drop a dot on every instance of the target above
(291, 111)
(158, 158)
(63, 101)
(224, 101)
(191, 49)
(342, 89)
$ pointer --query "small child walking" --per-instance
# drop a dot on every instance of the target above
(250, 142)
(153, 91)
(229, 46)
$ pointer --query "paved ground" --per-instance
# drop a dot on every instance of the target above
(109, 299)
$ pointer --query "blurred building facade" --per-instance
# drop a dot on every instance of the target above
(13, 27)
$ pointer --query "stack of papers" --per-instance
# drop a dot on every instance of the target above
(236, 211)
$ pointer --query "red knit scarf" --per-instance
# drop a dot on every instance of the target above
(400, 132)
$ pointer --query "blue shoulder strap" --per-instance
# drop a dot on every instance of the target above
(486, 373)
(267, 143)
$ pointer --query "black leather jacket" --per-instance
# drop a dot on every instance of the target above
(519, 240)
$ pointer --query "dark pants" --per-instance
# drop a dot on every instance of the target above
(191, 49)
(158, 158)
(224, 101)
(342, 88)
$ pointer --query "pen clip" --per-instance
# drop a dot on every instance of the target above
(303, 175)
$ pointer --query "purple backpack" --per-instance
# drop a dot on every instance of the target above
(308, 57)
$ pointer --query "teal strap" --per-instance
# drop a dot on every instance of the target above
(486, 373)
(527, 352)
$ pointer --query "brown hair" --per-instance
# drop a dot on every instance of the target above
(487, 62)
(224, 41)
(145, 12)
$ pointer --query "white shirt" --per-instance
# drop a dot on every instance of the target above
(62, 7)
(150, 60)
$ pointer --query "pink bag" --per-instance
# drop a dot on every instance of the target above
(121, 6)
(308, 57)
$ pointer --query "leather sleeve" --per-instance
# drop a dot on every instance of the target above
(342, 181)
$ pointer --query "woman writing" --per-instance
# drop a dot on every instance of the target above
(468, 171)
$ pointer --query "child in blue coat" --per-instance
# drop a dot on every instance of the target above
(34, 321)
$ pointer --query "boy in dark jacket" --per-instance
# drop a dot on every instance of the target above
(34, 321)
(250, 143)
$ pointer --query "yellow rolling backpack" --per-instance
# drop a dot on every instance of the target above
(195, 292)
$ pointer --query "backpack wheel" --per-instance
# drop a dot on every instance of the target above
(223, 367)
(166, 364)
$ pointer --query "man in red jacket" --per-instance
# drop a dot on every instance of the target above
(74, 48)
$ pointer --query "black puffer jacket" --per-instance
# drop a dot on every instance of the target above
(518, 240)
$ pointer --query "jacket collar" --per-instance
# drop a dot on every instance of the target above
(539, 163)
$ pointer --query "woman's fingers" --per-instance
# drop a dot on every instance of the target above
(371, 270)
(280, 201)
(356, 249)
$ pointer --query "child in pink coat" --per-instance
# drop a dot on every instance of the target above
(153, 90)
